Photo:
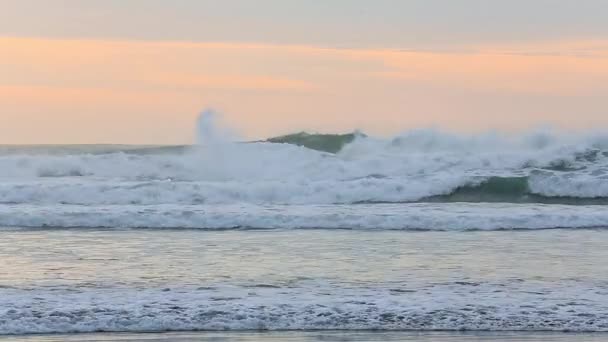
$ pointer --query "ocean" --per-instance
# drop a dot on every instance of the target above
(426, 236)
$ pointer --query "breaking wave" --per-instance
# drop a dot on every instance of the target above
(420, 166)
(131, 185)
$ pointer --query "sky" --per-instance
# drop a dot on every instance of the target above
(140, 71)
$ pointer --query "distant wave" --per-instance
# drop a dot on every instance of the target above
(65, 150)
(332, 143)
(419, 166)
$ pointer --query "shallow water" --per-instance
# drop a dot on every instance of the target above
(422, 232)
(81, 280)
(336, 336)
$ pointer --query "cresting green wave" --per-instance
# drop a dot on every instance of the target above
(331, 143)
(509, 190)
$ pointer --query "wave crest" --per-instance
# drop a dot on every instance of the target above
(417, 166)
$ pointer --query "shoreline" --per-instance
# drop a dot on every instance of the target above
(318, 335)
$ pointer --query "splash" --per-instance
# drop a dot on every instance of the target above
(211, 130)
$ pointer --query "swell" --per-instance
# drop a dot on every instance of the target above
(86, 149)
(332, 143)
(510, 190)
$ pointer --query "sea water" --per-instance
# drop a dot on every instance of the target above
(422, 232)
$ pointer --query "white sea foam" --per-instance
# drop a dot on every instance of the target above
(418, 216)
(450, 306)
(180, 186)
(407, 168)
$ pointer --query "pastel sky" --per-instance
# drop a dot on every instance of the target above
(139, 71)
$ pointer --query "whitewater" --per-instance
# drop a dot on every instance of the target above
(423, 231)
(422, 179)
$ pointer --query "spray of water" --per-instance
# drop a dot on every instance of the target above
(212, 131)
(217, 154)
